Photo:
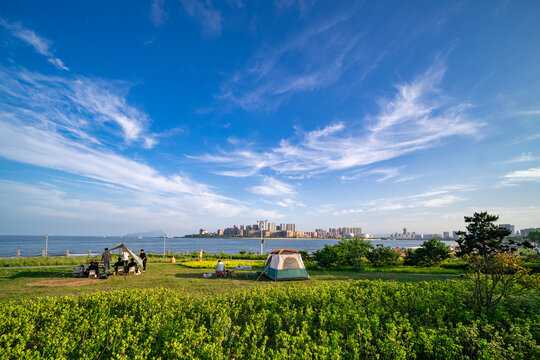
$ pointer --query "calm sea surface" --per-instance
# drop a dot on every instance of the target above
(79, 245)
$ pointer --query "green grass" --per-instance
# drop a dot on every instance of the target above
(17, 284)
(229, 264)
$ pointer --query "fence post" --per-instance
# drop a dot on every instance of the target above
(18, 254)
(67, 253)
(89, 253)
(42, 253)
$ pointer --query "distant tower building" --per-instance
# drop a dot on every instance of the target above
(509, 227)
(446, 235)
(404, 231)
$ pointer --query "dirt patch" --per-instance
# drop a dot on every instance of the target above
(67, 282)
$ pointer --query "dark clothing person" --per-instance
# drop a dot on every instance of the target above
(93, 266)
(106, 257)
(142, 255)
(118, 265)
(133, 264)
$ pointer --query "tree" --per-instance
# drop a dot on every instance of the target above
(483, 237)
(382, 256)
(497, 276)
(327, 256)
(494, 272)
(351, 251)
(534, 236)
(431, 253)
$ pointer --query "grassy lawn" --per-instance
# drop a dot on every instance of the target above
(17, 284)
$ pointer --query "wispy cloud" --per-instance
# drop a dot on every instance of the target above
(436, 198)
(313, 59)
(302, 5)
(40, 44)
(157, 12)
(205, 14)
(273, 187)
(514, 178)
(382, 174)
(416, 118)
(73, 104)
(521, 158)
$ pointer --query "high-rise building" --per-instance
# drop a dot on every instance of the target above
(446, 235)
(510, 228)
(271, 227)
(404, 231)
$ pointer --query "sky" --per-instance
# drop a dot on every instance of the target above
(127, 116)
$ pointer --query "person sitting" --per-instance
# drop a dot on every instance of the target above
(93, 268)
(133, 264)
(220, 269)
(118, 265)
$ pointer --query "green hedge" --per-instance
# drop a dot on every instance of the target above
(339, 320)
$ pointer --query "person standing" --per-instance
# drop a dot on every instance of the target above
(142, 255)
(106, 258)
(125, 259)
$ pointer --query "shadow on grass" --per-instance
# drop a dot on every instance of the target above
(41, 274)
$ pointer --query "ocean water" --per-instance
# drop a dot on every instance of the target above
(31, 245)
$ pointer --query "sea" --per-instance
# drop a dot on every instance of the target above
(31, 245)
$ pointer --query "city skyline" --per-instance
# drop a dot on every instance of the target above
(189, 114)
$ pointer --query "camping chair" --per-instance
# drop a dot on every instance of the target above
(92, 273)
(131, 270)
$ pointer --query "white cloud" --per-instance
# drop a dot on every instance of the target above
(436, 198)
(40, 44)
(417, 118)
(322, 53)
(75, 105)
(157, 13)
(521, 158)
(515, 177)
(205, 14)
(273, 187)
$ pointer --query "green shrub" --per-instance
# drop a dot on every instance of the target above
(339, 320)
(431, 253)
(382, 256)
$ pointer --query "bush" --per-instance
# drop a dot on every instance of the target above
(341, 320)
(430, 254)
(382, 256)
(328, 256)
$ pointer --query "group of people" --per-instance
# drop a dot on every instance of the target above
(124, 263)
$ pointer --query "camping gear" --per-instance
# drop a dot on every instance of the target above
(78, 271)
(131, 253)
(285, 264)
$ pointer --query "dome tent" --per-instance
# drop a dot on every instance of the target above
(285, 264)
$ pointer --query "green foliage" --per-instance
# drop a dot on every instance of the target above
(382, 256)
(351, 251)
(328, 256)
(534, 236)
(348, 252)
(431, 253)
(494, 277)
(342, 320)
(483, 237)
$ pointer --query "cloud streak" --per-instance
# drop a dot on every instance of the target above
(205, 14)
(416, 118)
(514, 178)
(40, 44)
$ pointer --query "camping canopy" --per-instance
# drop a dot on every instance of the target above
(131, 254)
(285, 264)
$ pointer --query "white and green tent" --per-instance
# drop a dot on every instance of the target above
(285, 264)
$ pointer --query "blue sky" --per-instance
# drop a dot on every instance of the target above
(177, 115)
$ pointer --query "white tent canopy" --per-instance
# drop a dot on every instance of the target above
(131, 254)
